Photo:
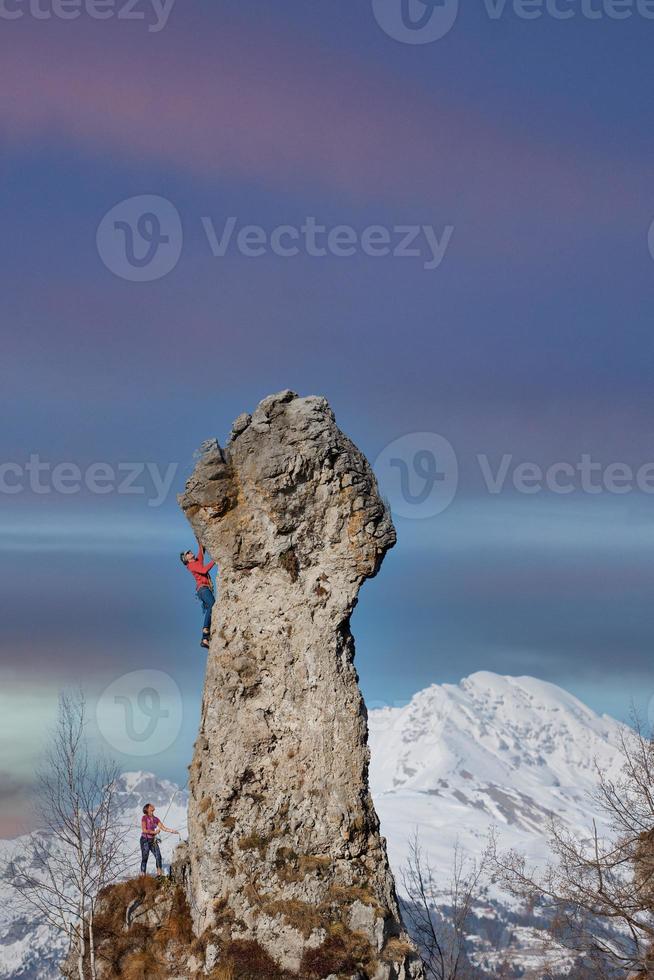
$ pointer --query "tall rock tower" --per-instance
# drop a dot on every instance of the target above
(285, 854)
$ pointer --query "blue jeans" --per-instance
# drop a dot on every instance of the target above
(149, 845)
(207, 598)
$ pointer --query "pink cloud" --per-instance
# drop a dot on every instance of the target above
(241, 107)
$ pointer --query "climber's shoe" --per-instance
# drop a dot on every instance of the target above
(204, 642)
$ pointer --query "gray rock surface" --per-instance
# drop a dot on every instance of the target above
(284, 843)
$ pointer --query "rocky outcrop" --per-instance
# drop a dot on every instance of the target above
(284, 847)
(142, 929)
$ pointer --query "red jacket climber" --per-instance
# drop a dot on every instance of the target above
(203, 587)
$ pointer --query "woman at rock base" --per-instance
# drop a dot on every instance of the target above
(151, 826)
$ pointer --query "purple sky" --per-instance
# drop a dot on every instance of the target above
(532, 336)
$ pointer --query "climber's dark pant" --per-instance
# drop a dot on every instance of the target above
(150, 845)
(207, 599)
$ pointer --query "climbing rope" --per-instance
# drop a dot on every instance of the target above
(178, 790)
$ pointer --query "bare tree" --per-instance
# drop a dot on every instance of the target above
(77, 849)
(599, 890)
(439, 923)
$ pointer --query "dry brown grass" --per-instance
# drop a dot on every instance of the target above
(288, 561)
(359, 823)
(111, 938)
(143, 951)
(199, 944)
(251, 892)
(142, 965)
(224, 916)
(314, 863)
(292, 867)
(177, 926)
(245, 960)
(254, 842)
(347, 895)
(220, 904)
(396, 949)
(223, 971)
(300, 915)
(342, 952)
(115, 898)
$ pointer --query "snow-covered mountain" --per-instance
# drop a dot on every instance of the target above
(508, 751)
(491, 753)
(502, 752)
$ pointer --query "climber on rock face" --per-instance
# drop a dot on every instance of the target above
(150, 827)
(203, 587)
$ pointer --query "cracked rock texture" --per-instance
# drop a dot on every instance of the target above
(284, 844)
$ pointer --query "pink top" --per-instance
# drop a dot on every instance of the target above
(149, 824)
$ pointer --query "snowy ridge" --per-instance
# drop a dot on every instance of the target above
(492, 725)
(491, 753)
(496, 751)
